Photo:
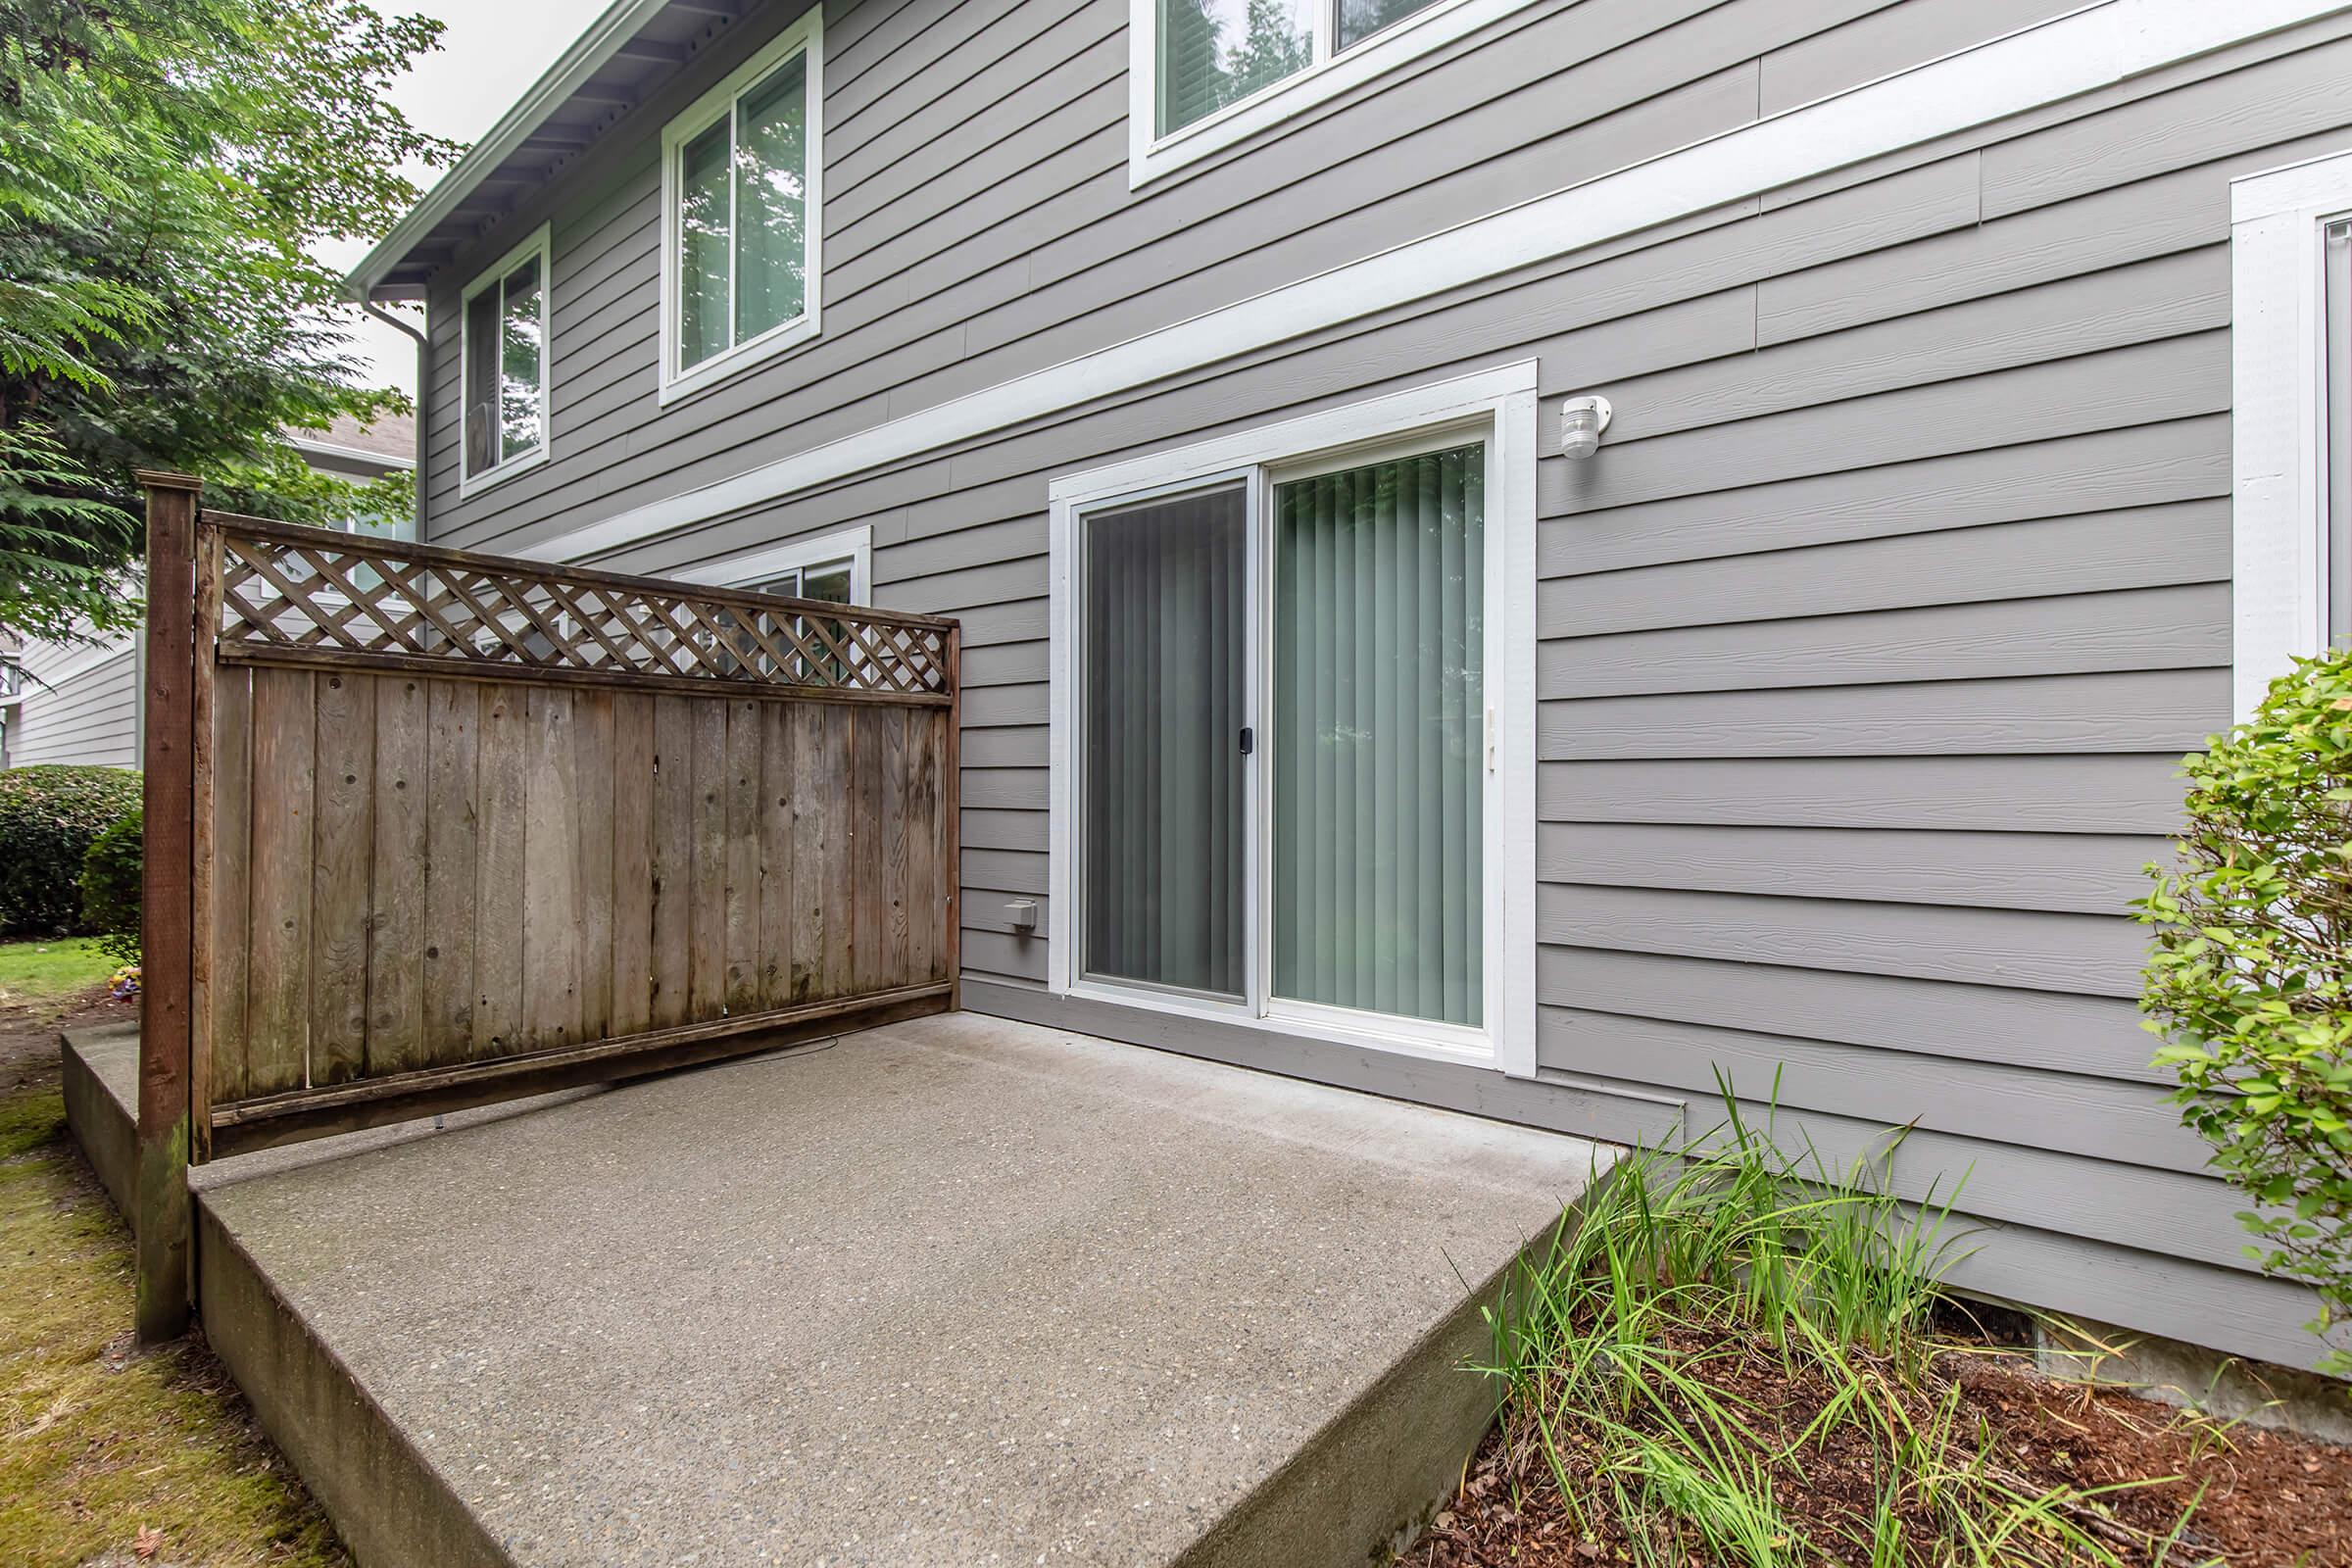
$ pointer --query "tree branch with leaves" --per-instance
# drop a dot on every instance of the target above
(170, 165)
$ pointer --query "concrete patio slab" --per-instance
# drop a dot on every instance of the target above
(101, 1072)
(955, 1291)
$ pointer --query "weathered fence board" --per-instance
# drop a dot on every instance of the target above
(342, 871)
(451, 840)
(231, 898)
(503, 794)
(393, 824)
(436, 867)
(277, 1004)
(633, 978)
(395, 918)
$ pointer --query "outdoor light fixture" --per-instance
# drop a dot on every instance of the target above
(1582, 420)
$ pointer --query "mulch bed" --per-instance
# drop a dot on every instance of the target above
(2262, 1499)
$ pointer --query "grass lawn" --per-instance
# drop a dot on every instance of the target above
(32, 973)
(107, 1458)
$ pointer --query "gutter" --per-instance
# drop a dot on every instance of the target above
(329, 449)
(425, 367)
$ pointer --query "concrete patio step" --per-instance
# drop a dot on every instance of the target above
(955, 1291)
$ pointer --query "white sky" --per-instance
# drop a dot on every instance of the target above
(491, 51)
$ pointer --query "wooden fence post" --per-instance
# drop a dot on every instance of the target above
(167, 914)
(952, 798)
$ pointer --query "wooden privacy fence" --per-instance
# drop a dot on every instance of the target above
(461, 828)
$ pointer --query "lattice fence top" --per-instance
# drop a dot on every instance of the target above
(314, 596)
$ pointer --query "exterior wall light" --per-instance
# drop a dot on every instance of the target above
(1582, 420)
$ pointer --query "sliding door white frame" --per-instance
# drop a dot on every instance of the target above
(1069, 675)
(1495, 407)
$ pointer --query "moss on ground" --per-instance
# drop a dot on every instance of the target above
(98, 1443)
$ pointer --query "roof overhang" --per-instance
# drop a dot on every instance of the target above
(627, 53)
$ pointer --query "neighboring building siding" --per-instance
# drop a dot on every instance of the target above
(90, 719)
(1871, 637)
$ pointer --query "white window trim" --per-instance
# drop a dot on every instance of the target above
(2278, 428)
(490, 277)
(807, 34)
(1500, 405)
(750, 567)
(1149, 155)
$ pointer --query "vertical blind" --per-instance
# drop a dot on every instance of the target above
(1165, 675)
(1378, 644)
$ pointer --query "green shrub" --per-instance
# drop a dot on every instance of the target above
(2248, 978)
(48, 817)
(111, 887)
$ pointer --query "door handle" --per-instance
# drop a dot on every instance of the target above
(1249, 740)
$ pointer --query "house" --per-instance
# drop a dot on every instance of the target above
(79, 701)
(1952, 381)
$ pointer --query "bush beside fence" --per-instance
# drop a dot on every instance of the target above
(49, 817)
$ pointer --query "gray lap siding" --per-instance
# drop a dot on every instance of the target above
(1869, 643)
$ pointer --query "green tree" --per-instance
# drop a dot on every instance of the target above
(165, 168)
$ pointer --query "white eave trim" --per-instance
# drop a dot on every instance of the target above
(2084, 50)
(589, 54)
(332, 449)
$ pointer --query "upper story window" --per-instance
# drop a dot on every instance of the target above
(1206, 74)
(740, 192)
(2291, 419)
(504, 332)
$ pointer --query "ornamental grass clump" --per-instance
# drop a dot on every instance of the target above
(2248, 980)
(1730, 1357)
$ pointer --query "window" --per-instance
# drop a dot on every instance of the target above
(1206, 74)
(2291, 418)
(829, 580)
(1293, 725)
(739, 214)
(836, 568)
(504, 330)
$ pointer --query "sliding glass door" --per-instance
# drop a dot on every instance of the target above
(1164, 679)
(1280, 750)
(1379, 705)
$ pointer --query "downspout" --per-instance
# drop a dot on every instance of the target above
(423, 389)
